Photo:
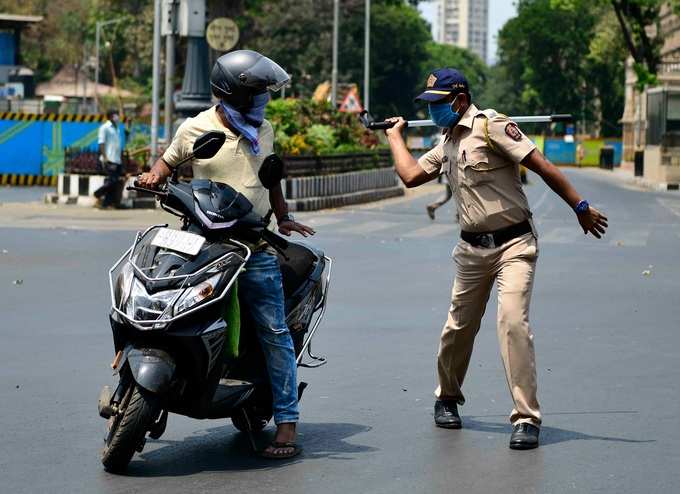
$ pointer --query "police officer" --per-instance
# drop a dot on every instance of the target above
(480, 154)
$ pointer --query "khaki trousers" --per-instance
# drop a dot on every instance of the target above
(512, 265)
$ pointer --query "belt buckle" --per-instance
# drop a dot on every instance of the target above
(486, 240)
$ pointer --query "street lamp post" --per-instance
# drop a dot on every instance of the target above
(98, 29)
(367, 54)
(155, 79)
(334, 73)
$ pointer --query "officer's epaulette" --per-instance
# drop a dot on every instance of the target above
(489, 114)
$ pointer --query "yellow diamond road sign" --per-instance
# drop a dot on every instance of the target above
(222, 34)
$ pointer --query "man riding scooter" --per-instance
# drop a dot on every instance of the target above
(241, 81)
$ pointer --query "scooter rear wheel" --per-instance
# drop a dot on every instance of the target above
(128, 428)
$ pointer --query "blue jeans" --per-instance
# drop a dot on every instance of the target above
(261, 289)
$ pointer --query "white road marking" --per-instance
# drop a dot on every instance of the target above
(431, 231)
(323, 220)
(536, 206)
(359, 228)
(672, 205)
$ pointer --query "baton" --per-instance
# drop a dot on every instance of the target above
(368, 122)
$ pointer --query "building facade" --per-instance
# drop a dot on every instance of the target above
(464, 23)
(651, 118)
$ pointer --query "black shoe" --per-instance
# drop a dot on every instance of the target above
(430, 211)
(446, 415)
(524, 436)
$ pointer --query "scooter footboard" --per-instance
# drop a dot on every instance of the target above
(151, 368)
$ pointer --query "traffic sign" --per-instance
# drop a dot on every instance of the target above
(351, 103)
(222, 34)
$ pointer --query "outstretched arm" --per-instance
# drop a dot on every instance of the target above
(408, 169)
(591, 220)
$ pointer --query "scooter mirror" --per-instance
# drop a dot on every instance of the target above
(272, 171)
(207, 145)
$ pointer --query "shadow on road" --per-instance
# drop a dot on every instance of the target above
(225, 449)
(549, 435)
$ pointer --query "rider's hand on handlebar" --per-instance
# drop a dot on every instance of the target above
(149, 180)
(288, 227)
(399, 124)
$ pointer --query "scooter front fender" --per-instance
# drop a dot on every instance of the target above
(151, 368)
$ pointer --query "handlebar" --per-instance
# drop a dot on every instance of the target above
(135, 186)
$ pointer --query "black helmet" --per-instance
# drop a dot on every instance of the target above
(240, 74)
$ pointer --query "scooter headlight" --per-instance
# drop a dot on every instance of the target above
(197, 294)
(142, 306)
(123, 285)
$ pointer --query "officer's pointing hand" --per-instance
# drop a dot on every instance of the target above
(399, 124)
(594, 222)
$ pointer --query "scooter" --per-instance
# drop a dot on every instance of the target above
(181, 343)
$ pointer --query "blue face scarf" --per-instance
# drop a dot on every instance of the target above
(249, 121)
(442, 115)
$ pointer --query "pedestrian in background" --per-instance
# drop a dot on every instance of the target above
(110, 160)
(480, 154)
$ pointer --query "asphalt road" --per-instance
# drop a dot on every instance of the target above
(605, 315)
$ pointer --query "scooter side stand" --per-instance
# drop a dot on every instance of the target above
(249, 430)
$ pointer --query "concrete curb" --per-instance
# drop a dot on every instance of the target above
(643, 182)
(328, 202)
(78, 190)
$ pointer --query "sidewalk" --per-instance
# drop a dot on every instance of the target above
(627, 176)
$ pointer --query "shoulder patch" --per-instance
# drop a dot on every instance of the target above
(445, 159)
(513, 131)
(489, 113)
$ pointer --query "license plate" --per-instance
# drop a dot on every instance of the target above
(184, 242)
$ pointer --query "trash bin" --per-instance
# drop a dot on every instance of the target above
(639, 163)
(607, 157)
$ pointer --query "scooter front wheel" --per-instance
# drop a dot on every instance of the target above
(128, 427)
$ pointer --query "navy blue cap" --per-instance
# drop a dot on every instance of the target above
(443, 82)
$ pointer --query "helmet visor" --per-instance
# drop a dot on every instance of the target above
(266, 74)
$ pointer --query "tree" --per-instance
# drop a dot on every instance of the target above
(298, 35)
(634, 17)
(577, 68)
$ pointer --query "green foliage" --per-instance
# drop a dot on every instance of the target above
(635, 17)
(298, 35)
(577, 68)
(305, 127)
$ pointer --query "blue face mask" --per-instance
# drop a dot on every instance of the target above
(442, 115)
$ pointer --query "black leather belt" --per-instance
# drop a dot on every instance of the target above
(490, 240)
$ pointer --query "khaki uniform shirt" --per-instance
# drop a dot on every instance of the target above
(234, 164)
(481, 157)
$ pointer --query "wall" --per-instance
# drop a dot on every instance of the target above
(564, 153)
(33, 144)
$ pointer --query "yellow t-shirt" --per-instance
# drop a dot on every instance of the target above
(234, 164)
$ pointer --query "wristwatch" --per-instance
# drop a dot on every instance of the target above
(582, 207)
(286, 217)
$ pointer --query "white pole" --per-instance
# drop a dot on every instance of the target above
(156, 79)
(367, 55)
(334, 73)
(96, 69)
(169, 73)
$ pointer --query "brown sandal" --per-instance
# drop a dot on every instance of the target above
(281, 456)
